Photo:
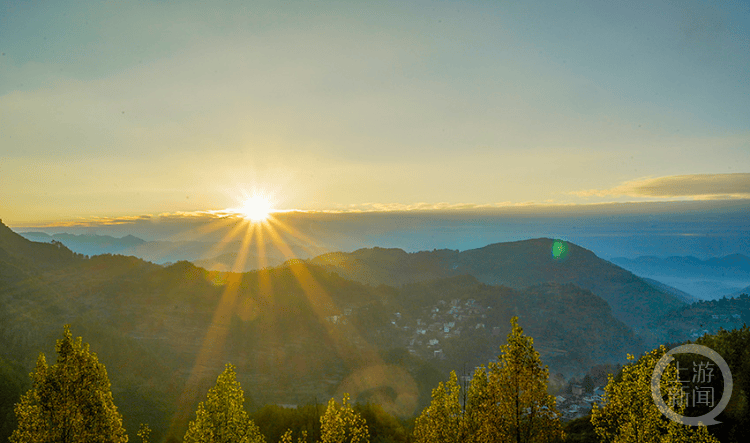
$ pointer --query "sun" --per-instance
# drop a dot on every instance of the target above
(256, 208)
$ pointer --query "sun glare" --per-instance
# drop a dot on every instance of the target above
(256, 208)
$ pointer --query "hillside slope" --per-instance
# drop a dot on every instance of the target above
(515, 264)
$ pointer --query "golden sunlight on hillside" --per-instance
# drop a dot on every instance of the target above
(255, 224)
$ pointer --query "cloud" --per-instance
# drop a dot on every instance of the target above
(693, 186)
(97, 221)
(185, 218)
(422, 206)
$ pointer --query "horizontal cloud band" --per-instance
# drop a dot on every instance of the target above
(696, 186)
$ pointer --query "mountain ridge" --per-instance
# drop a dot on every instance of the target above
(515, 264)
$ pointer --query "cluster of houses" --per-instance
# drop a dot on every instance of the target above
(340, 318)
(578, 403)
(440, 322)
(424, 336)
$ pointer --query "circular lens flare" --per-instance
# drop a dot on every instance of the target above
(559, 250)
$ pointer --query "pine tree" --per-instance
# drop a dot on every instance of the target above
(341, 424)
(69, 401)
(222, 417)
(629, 413)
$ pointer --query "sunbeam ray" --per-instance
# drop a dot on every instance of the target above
(211, 351)
(366, 368)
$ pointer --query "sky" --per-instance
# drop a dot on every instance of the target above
(141, 108)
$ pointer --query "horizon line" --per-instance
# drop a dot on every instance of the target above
(442, 208)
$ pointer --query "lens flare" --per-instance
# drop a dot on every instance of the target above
(559, 250)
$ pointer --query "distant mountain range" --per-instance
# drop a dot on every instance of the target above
(202, 253)
(88, 244)
(706, 279)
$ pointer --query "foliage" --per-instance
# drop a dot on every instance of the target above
(710, 315)
(144, 432)
(13, 383)
(506, 401)
(341, 424)
(580, 430)
(516, 404)
(734, 347)
(443, 420)
(222, 417)
(383, 427)
(69, 401)
(274, 421)
(629, 413)
(287, 437)
(303, 423)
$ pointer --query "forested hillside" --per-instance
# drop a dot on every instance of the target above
(295, 332)
(514, 264)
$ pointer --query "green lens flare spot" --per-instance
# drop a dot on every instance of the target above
(559, 250)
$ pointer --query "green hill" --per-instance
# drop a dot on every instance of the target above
(515, 264)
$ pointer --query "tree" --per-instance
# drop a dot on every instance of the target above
(13, 383)
(381, 426)
(341, 424)
(516, 405)
(629, 413)
(287, 437)
(274, 421)
(443, 420)
(506, 401)
(144, 432)
(222, 417)
(734, 347)
(69, 401)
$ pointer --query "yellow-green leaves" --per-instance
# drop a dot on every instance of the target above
(629, 413)
(222, 417)
(287, 437)
(516, 405)
(341, 424)
(69, 401)
(506, 401)
(443, 420)
(144, 432)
